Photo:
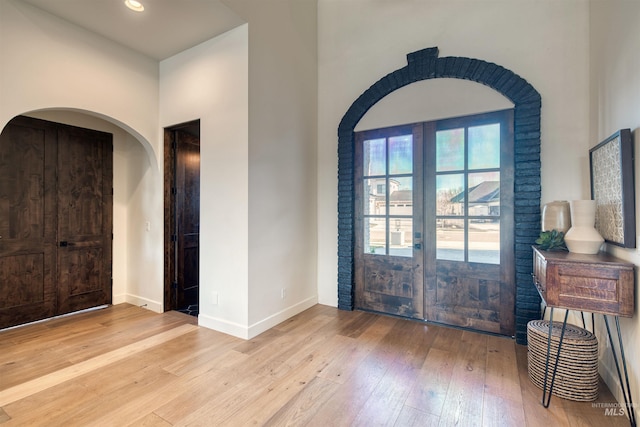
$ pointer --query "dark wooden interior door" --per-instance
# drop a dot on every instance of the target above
(85, 204)
(27, 221)
(55, 220)
(389, 252)
(187, 176)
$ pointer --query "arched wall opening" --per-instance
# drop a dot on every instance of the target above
(137, 206)
(424, 65)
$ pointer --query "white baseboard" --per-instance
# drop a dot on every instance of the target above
(224, 326)
(248, 332)
(271, 321)
(154, 306)
(611, 380)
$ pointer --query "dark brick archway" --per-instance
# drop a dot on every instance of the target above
(423, 65)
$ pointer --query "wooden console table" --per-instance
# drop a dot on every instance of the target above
(597, 283)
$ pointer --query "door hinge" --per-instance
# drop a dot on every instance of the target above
(174, 285)
(174, 238)
(173, 190)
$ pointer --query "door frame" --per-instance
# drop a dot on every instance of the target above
(425, 64)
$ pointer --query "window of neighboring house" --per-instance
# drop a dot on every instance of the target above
(468, 178)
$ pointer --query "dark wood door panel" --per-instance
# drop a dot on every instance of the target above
(388, 286)
(27, 221)
(24, 286)
(187, 169)
(388, 276)
(85, 176)
(82, 157)
(189, 283)
(467, 295)
(82, 279)
(22, 280)
(27, 182)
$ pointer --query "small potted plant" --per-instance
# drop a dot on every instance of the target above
(552, 240)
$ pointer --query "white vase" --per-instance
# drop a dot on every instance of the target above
(582, 237)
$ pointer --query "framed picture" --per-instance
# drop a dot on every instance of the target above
(612, 188)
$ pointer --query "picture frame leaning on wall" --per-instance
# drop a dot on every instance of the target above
(613, 189)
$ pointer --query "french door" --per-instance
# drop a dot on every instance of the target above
(434, 221)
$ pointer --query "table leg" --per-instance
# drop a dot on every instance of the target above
(626, 388)
(547, 399)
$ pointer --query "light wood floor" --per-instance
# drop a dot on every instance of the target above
(126, 366)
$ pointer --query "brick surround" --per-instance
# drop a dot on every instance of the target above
(422, 65)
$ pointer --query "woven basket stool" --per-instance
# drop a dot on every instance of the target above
(577, 373)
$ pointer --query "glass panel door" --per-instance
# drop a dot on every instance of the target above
(434, 221)
(389, 275)
(469, 272)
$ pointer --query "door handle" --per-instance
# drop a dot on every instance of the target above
(64, 244)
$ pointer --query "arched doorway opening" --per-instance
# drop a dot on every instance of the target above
(135, 174)
(422, 65)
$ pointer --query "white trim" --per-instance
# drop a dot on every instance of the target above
(154, 306)
(271, 321)
(224, 326)
(248, 332)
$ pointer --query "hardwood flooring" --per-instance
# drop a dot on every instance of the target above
(126, 366)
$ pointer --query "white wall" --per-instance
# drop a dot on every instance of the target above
(48, 64)
(545, 42)
(282, 156)
(282, 152)
(255, 91)
(445, 98)
(615, 102)
(210, 82)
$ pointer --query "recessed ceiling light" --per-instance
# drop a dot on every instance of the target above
(134, 5)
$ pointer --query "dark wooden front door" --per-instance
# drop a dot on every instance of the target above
(470, 280)
(55, 220)
(389, 252)
(436, 241)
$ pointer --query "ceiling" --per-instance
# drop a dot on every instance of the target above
(166, 27)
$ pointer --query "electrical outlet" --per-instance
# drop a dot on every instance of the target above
(283, 293)
(214, 298)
